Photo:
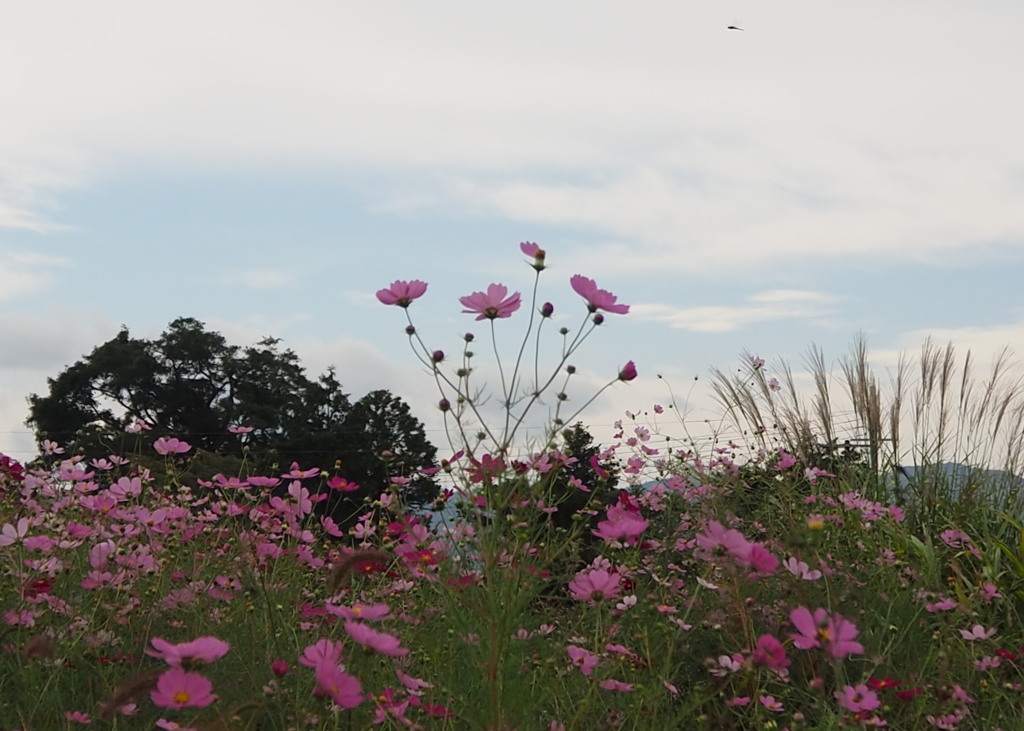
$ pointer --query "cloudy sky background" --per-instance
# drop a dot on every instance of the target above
(265, 166)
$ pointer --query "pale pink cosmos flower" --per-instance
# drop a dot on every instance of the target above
(402, 293)
(177, 688)
(11, 534)
(492, 304)
(200, 651)
(171, 445)
(597, 299)
(382, 642)
(769, 702)
(857, 699)
(800, 569)
(590, 586)
(977, 632)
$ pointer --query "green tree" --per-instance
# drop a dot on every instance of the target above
(192, 384)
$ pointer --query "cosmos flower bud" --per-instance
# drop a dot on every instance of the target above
(437, 356)
(628, 372)
(547, 309)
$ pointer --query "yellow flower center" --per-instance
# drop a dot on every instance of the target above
(181, 697)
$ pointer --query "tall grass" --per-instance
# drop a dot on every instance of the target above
(931, 412)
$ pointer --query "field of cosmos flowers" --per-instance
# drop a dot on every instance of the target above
(749, 587)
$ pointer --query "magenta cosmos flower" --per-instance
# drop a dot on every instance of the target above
(200, 651)
(177, 688)
(491, 304)
(831, 632)
(402, 293)
(344, 689)
(597, 299)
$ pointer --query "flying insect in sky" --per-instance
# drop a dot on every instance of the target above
(733, 27)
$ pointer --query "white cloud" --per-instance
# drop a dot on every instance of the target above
(647, 123)
(761, 307)
(263, 279)
(23, 273)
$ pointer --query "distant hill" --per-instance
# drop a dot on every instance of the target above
(955, 479)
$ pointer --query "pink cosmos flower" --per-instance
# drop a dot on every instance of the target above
(760, 559)
(382, 642)
(344, 689)
(321, 652)
(597, 299)
(593, 585)
(770, 653)
(177, 688)
(716, 540)
(621, 523)
(769, 702)
(833, 633)
(989, 593)
(200, 651)
(364, 612)
(786, 460)
(341, 484)
(402, 293)
(171, 445)
(617, 685)
(858, 699)
(538, 254)
(977, 632)
(491, 304)
(585, 660)
(628, 372)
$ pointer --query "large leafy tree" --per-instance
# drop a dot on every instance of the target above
(192, 384)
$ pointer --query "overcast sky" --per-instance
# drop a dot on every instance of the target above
(832, 168)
